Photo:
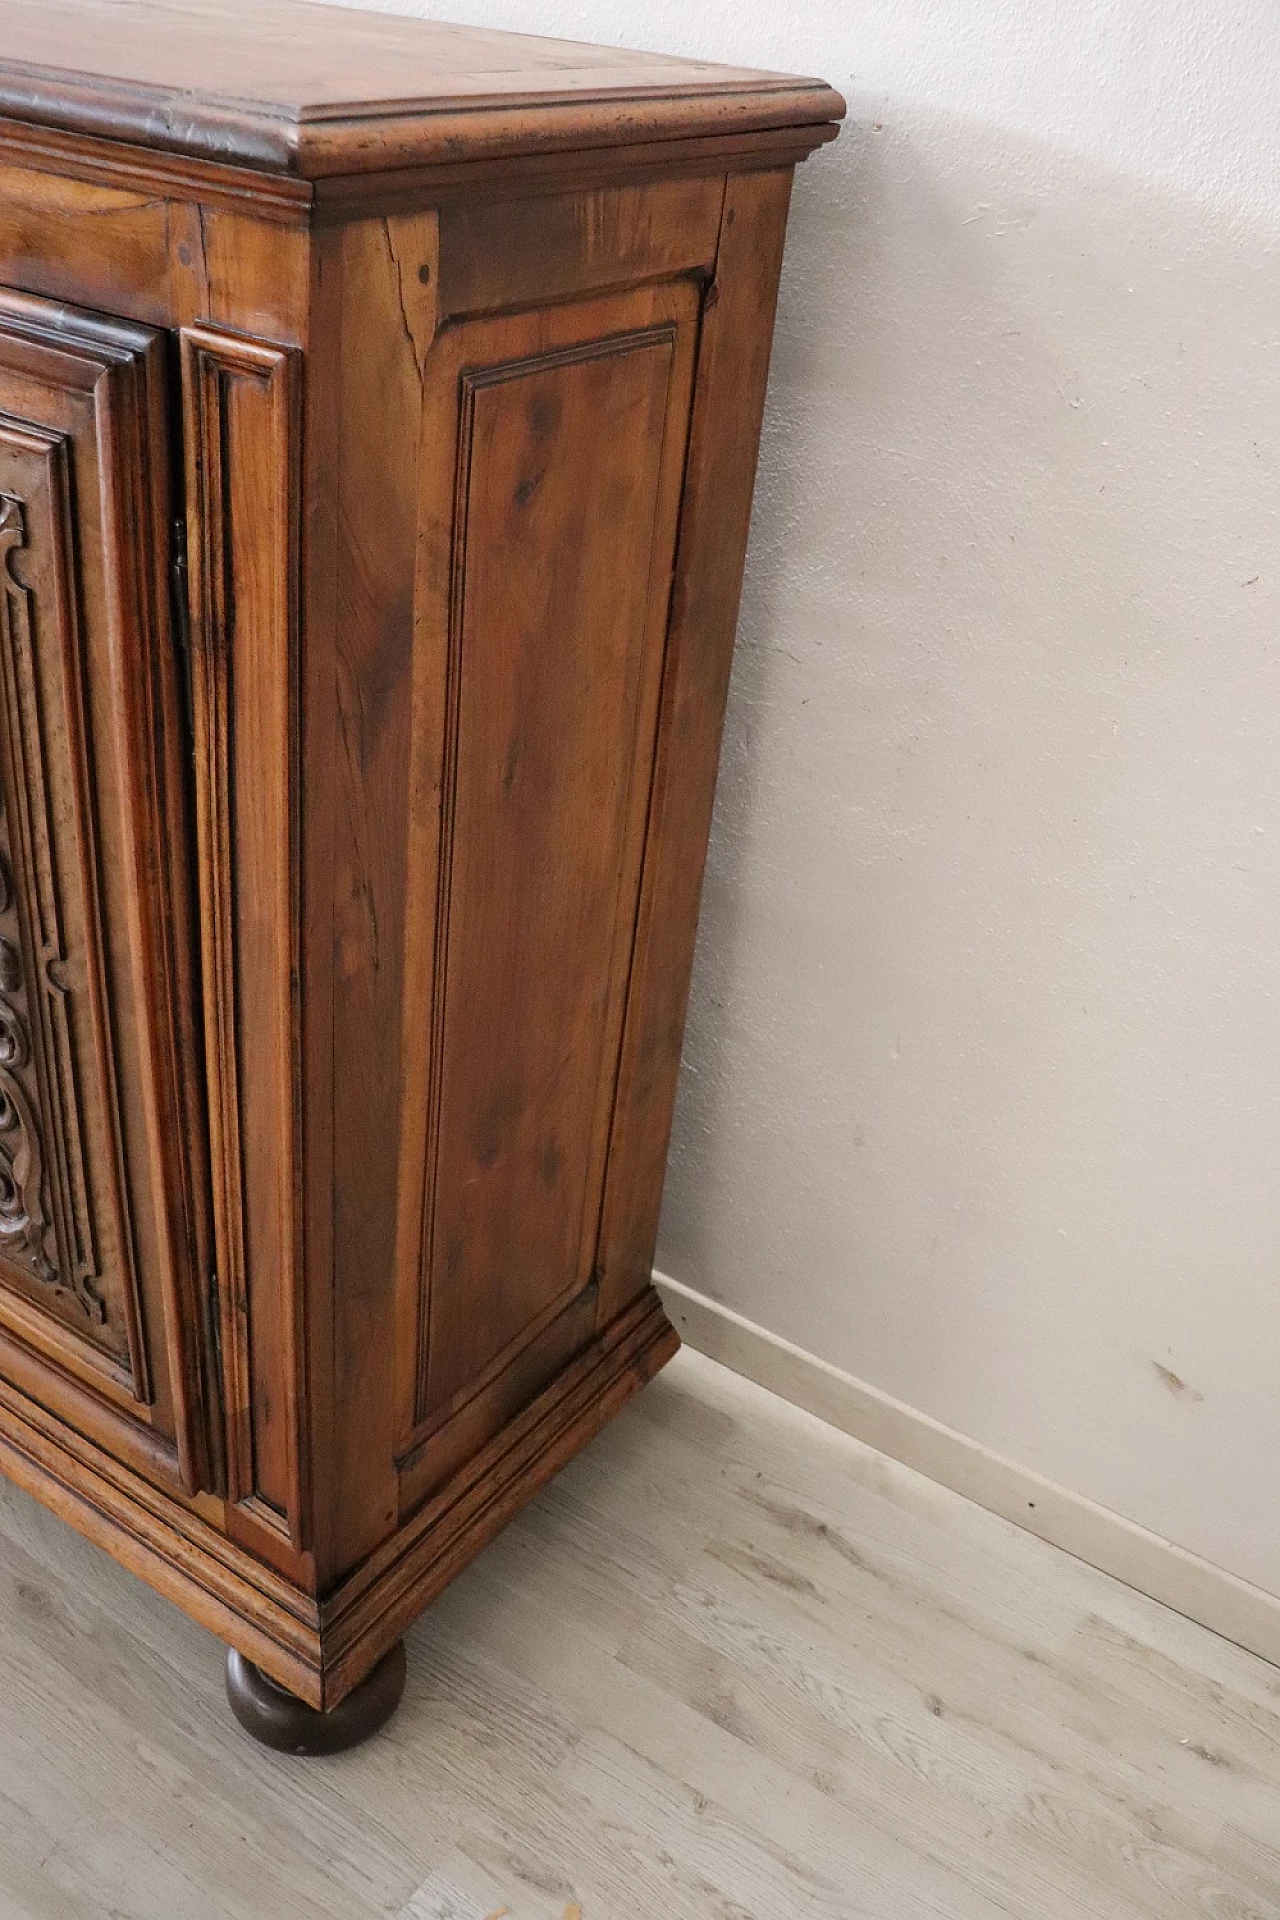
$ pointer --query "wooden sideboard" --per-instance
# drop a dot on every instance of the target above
(379, 405)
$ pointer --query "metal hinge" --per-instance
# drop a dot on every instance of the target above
(181, 614)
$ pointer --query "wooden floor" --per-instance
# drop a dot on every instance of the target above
(732, 1666)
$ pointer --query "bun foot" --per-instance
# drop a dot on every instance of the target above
(279, 1719)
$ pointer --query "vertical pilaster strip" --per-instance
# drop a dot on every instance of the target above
(242, 415)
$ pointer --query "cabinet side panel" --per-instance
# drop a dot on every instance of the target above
(733, 367)
(559, 470)
(242, 420)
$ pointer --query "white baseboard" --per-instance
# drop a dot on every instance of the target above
(1145, 1561)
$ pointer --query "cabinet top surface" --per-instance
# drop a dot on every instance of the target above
(296, 87)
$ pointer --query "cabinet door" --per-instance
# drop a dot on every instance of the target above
(101, 1212)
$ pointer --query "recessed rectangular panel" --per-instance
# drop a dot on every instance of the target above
(63, 1238)
(561, 462)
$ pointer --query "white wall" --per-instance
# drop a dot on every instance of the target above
(982, 1086)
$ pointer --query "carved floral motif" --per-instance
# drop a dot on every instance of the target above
(28, 1226)
(25, 1227)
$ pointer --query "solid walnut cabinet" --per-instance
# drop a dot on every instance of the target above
(379, 405)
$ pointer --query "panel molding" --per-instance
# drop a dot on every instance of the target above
(46, 1219)
(35, 1209)
(661, 332)
(95, 847)
(242, 405)
(166, 1543)
(320, 1651)
(371, 1608)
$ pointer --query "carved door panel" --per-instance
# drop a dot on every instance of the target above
(101, 1210)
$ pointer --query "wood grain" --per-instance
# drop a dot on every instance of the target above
(320, 1654)
(730, 1663)
(553, 692)
(241, 401)
(321, 90)
(101, 1223)
(498, 252)
(56, 234)
(383, 317)
(368, 568)
(724, 438)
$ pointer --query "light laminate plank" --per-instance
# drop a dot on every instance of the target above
(731, 1666)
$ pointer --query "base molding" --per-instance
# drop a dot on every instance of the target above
(370, 1610)
(320, 1652)
(1146, 1561)
(165, 1541)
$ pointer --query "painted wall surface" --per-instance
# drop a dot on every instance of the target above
(982, 1088)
